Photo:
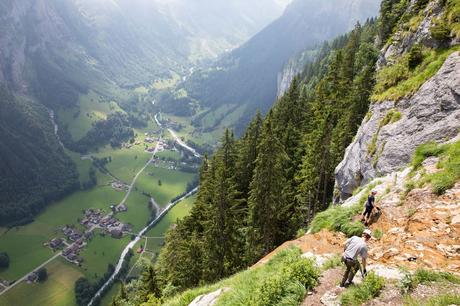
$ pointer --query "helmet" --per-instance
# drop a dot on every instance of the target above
(367, 232)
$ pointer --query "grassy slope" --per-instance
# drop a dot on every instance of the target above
(80, 119)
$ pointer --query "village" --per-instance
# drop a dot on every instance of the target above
(75, 240)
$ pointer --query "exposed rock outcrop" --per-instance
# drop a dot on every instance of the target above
(432, 114)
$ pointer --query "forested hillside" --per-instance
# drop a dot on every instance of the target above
(34, 167)
(247, 77)
(258, 191)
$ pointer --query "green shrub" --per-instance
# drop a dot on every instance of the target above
(300, 232)
(332, 262)
(378, 234)
(415, 56)
(288, 286)
(424, 151)
(411, 281)
(397, 81)
(368, 289)
(440, 30)
(440, 300)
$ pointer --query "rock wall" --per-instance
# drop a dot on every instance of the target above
(432, 114)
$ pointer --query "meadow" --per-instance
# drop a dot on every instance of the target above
(90, 109)
(173, 183)
(57, 290)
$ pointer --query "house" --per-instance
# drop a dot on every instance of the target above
(56, 243)
(66, 251)
(122, 208)
(32, 277)
(116, 233)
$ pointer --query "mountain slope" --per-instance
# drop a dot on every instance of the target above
(278, 179)
(416, 99)
(34, 166)
(248, 75)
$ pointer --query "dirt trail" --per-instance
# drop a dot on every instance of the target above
(328, 281)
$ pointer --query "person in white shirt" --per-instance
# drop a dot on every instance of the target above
(354, 247)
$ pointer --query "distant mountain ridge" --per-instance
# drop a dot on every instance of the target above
(248, 75)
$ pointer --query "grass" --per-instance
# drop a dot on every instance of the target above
(411, 281)
(25, 244)
(100, 252)
(57, 290)
(284, 280)
(90, 109)
(367, 290)
(338, 219)
(169, 155)
(449, 165)
(179, 211)
(125, 162)
(83, 166)
(424, 151)
(107, 299)
(138, 212)
(173, 183)
(440, 300)
(397, 81)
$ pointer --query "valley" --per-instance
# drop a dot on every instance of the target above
(148, 181)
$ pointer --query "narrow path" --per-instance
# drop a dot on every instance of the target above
(327, 284)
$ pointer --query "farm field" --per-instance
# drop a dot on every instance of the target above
(169, 154)
(57, 290)
(138, 211)
(99, 253)
(173, 183)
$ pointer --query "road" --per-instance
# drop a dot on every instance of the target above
(139, 173)
(177, 138)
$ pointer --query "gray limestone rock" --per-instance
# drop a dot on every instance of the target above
(431, 114)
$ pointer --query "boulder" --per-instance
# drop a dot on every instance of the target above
(209, 299)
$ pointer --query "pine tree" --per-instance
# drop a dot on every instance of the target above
(266, 200)
(149, 278)
(220, 230)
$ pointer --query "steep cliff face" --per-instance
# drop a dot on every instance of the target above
(432, 114)
(406, 116)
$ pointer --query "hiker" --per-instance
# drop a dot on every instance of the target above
(369, 207)
(354, 247)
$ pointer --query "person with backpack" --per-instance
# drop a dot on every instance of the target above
(354, 247)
